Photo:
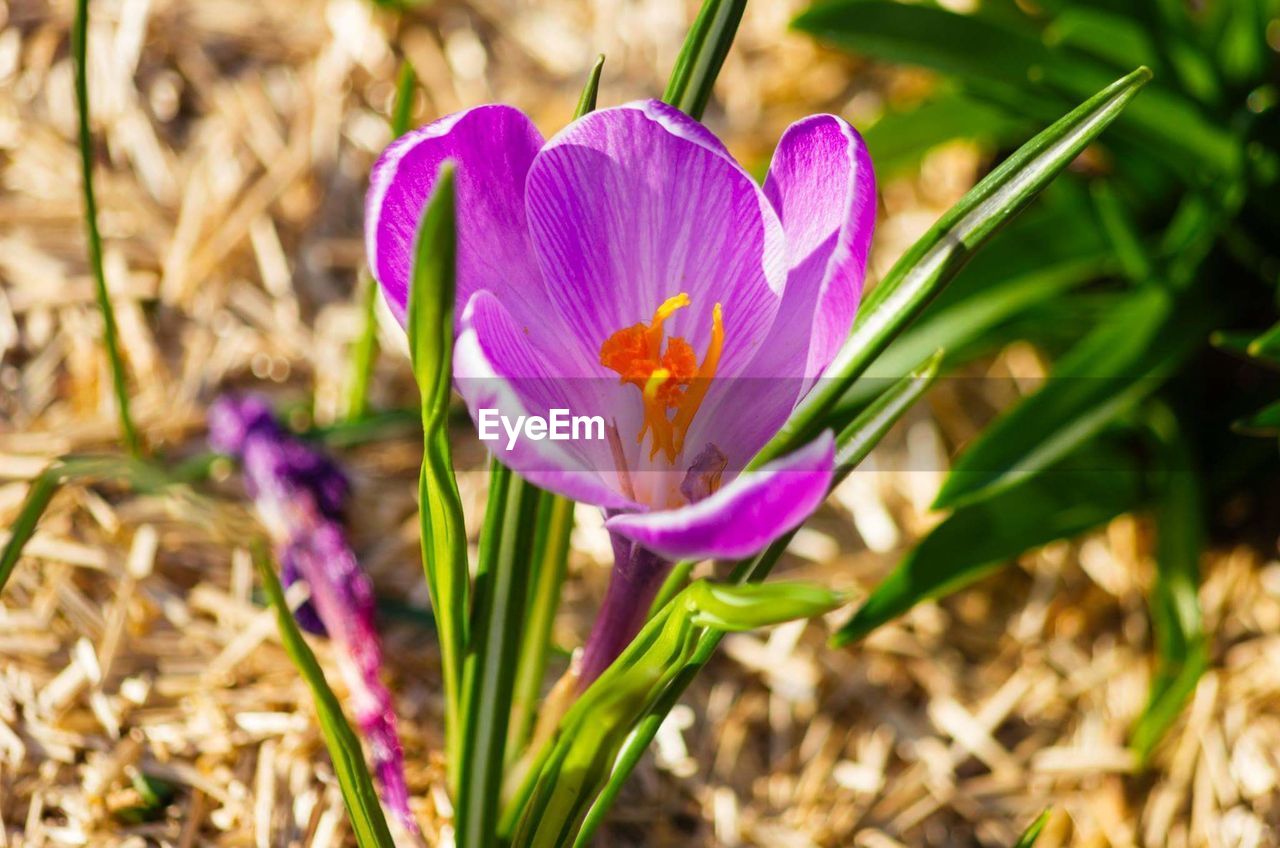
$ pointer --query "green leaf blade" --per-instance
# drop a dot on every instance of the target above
(501, 600)
(1088, 488)
(429, 327)
(702, 55)
(358, 792)
(1176, 621)
(1124, 359)
(110, 334)
(1032, 833)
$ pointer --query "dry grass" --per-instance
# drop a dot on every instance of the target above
(234, 140)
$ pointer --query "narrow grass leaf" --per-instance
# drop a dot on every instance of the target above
(590, 91)
(1032, 833)
(139, 474)
(358, 792)
(702, 55)
(1175, 595)
(110, 335)
(1124, 359)
(936, 258)
(364, 353)
(444, 544)
(42, 490)
(501, 600)
(1098, 482)
(1264, 422)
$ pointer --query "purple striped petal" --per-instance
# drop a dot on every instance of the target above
(493, 147)
(823, 187)
(745, 515)
(822, 183)
(495, 367)
(632, 205)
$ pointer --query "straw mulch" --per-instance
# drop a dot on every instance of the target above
(233, 141)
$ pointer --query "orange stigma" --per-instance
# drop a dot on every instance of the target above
(671, 381)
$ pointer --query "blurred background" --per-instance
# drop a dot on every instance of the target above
(144, 698)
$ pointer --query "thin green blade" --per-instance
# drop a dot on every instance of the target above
(110, 336)
(1032, 833)
(703, 53)
(1124, 359)
(358, 792)
(364, 353)
(1181, 652)
(444, 543)
(1095, 484)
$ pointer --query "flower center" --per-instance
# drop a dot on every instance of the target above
(671, 381)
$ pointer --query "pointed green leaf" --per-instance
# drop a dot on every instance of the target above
(1032, 833)
(444, 544)
(1181, 654)
(1093, 485)
(1264, 422)
(748, 606)
(1012, 65)
(1121, 361)
(587, 101)
(1042, 254)
(1267, 345)
(932, 261)
(549, 563)
(141, 475)
(358, 792)
(703, 54)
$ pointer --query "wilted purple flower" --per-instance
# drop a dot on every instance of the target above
(299, 495)
(629, 268)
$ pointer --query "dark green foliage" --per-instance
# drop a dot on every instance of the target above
(1165, 240)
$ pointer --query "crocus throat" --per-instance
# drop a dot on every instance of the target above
(671, 381)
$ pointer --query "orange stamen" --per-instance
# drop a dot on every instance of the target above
(669, 379)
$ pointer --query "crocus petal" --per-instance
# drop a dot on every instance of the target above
(496, 367)
(632, 205)
(823, 186)
(743, 516)
(492, 147)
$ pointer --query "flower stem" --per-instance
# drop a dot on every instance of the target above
(637, 575)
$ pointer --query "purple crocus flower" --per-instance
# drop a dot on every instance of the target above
(299, 495)
(629, 268)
